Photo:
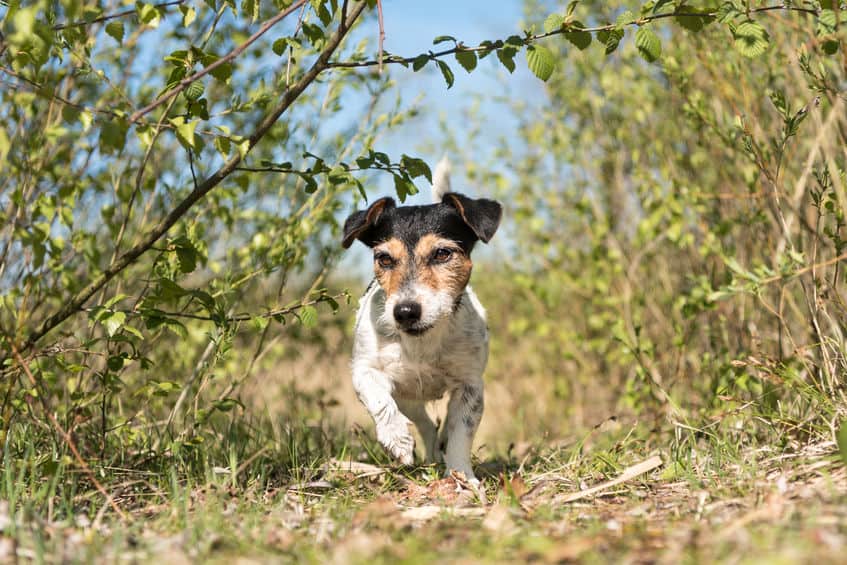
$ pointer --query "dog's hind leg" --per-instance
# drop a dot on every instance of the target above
(464, 411)
(415, 410)
(392, 428)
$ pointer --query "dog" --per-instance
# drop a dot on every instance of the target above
(420, 330)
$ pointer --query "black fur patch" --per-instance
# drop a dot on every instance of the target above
(460, 219)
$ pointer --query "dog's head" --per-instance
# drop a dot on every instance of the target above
(422, 254)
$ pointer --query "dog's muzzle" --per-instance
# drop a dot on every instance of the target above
(408, 317)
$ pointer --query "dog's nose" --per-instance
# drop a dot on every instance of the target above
(407, 313)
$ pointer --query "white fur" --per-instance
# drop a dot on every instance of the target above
(395, 374)
(441, 180)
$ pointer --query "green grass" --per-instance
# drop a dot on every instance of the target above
(717, 496)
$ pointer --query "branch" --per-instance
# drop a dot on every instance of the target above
(381, 33)
(83, 23)
(184, 83)
(284, 170)
(243, 317)
(76, 302)
(530, 39)
(798, 272)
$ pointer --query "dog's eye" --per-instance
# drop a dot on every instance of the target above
(384, 260)
(442, 255)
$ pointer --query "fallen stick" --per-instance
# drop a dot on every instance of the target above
(355, 467)
(628, 474)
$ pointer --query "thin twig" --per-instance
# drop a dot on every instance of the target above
(529, 39)
(184, 83)
(68, 440)
(297, 29)
(83, 23)
(842, 257)
(381, 33)
(628, 474)
(243, 317)
(286, 170)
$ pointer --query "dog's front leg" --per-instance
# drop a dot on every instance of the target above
(415, 410)
(464, 411)
(392, 428)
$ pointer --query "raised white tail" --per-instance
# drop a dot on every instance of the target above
(441, 179)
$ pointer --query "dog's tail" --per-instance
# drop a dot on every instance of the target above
(441, 179)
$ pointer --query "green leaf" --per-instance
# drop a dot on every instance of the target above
(751, 39)
(419, 62)
(115, 362)
(188, 15)
(314, 34)
(540, 61)
(467, 59)
(626, 17)
(404, 187)
(186, 254)
(693, 22)
(115, 28)
(443, 38)
(184, 131)
(222, 73)
(113, 322)
(113, 136)
(655, 7)
(281, 45)
(194, 91)
(115, 299)
(226, 404)
(250, 8)
(222, 145)
(553, 23)
(648, 43)
(581, 39)
(148, 14)
(507, 58)
(611, 39)
(323, 12)
(826, 23)
(727, 12)
(446, 72)
(830, 46)
(308, 316)
(416, 167)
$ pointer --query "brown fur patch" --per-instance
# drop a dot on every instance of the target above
(391, 278)
(451, 276)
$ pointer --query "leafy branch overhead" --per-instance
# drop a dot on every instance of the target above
(749, 36)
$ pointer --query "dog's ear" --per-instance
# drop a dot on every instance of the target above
(480, 214)
(359, 221)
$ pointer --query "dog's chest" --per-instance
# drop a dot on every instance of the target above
(416, 372)
(428, 366)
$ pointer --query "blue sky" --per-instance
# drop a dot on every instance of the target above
(410, 28)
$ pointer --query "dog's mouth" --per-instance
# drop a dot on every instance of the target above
(415, 330)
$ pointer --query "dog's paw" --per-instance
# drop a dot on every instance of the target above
(396, 438)
(462, 466)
